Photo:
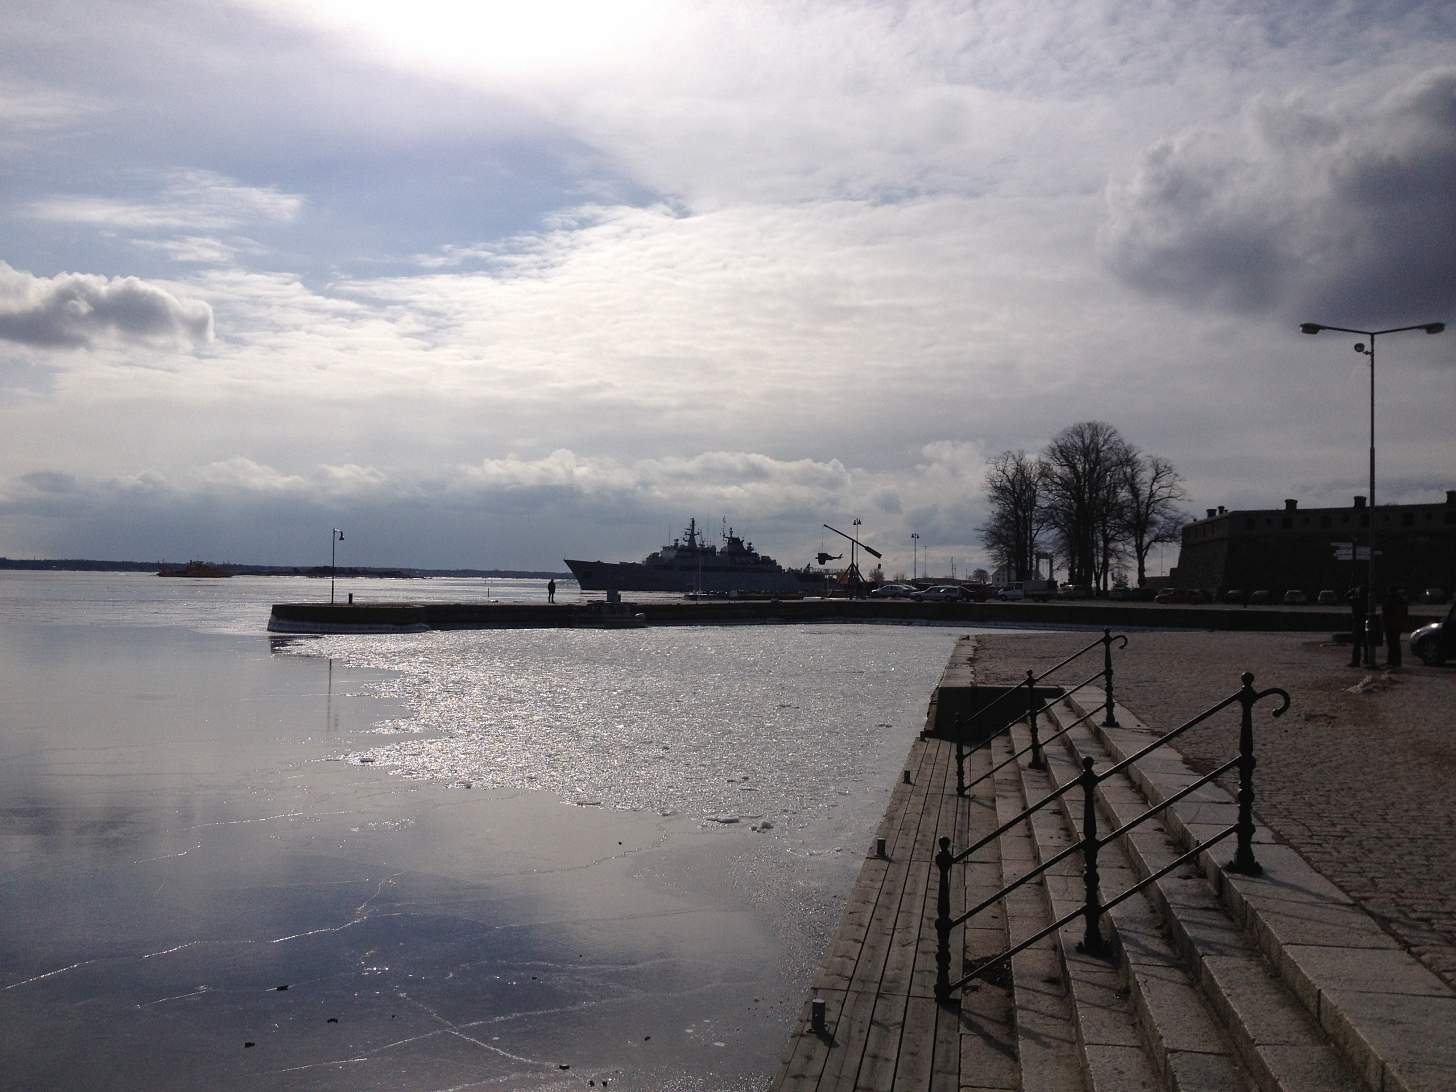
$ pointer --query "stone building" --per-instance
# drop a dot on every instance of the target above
(1293, 547)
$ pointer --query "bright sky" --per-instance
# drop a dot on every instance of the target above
(490, 284)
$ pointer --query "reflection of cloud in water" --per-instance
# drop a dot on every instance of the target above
(717, 722)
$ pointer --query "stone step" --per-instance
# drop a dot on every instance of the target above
(987, 1011)
(1325, 963)
(1046, 1045)
(1170, 1037)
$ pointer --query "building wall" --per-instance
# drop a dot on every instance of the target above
(1292, 547)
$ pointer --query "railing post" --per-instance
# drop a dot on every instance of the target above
(1037, 762)
(942, 925)
(1244, 855)
(1109, 719)
(1092, 942)
(960, 759)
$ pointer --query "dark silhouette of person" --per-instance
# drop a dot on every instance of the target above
(550, 591)
(1395, 617)
(1357, 597)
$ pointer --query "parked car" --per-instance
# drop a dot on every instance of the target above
(1295, 597)
(893, 591)
(1328, 597)
(1027, 589)
(1180, 595)
(1434, 643)
(1074, 591)
(1434, 595)
(941, 593)
(1262, 595)
(1235, 595)
(978, 592)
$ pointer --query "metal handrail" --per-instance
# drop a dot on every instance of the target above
(962, 785)
(1109, 719)
(1090, 843)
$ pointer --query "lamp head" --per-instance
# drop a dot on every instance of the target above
(1359, 346)
(1310, 327)
(1434, 327)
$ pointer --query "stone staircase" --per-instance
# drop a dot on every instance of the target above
(1212, 980)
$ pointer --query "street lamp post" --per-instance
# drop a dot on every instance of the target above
(335, 537)
(1316, 327)
(854, 576)
(914, 552)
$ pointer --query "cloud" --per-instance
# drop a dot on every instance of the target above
(513, 511)
(195, 200)
(77, 310)
(1342, 210)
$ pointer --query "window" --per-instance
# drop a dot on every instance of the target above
(1408, 519)
(1326, 521)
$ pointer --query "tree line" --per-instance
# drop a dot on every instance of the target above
(1090, 498)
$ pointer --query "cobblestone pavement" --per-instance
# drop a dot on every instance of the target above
(1359, 775)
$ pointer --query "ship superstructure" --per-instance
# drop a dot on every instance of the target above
(689, 564)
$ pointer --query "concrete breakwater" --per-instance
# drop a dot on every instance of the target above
(418, 617)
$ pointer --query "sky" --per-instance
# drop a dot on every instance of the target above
(493, 284)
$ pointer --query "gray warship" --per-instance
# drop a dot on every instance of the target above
(689, 564)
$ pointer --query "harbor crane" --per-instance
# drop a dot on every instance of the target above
(852, 578)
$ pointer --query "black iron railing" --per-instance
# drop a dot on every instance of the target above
(1032, 710)
(1091, 842)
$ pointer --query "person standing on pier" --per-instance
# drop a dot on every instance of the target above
(551, 591)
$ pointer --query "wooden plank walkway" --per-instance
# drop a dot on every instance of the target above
(885, 1031)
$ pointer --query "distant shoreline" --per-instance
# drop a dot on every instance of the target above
(73, 564)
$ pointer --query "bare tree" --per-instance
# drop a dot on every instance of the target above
(1152, 490)
(1085, 475)
(1015, 482)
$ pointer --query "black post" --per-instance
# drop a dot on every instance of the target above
(960, 759)
(1109, 719)
(942, 925)
(1244, 861)
(1037, 762)
(1092, 942)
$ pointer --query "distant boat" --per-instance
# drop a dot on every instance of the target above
(690, 565)
(195, 569)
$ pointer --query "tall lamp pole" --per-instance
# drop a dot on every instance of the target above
(335, 537)
(914, 552)
(1316, 327)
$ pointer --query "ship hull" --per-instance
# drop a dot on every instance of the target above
(634, 576)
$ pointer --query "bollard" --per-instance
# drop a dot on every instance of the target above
(351, 599)
(906, 777)
(880, 849)
(816, 1016)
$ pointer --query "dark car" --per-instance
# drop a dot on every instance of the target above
(1435, 643)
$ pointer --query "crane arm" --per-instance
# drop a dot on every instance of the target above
(867, 549)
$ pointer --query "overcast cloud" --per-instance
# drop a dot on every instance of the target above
(495, 284)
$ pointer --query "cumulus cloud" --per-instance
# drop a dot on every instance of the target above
(1343, 210)
(76, 310)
